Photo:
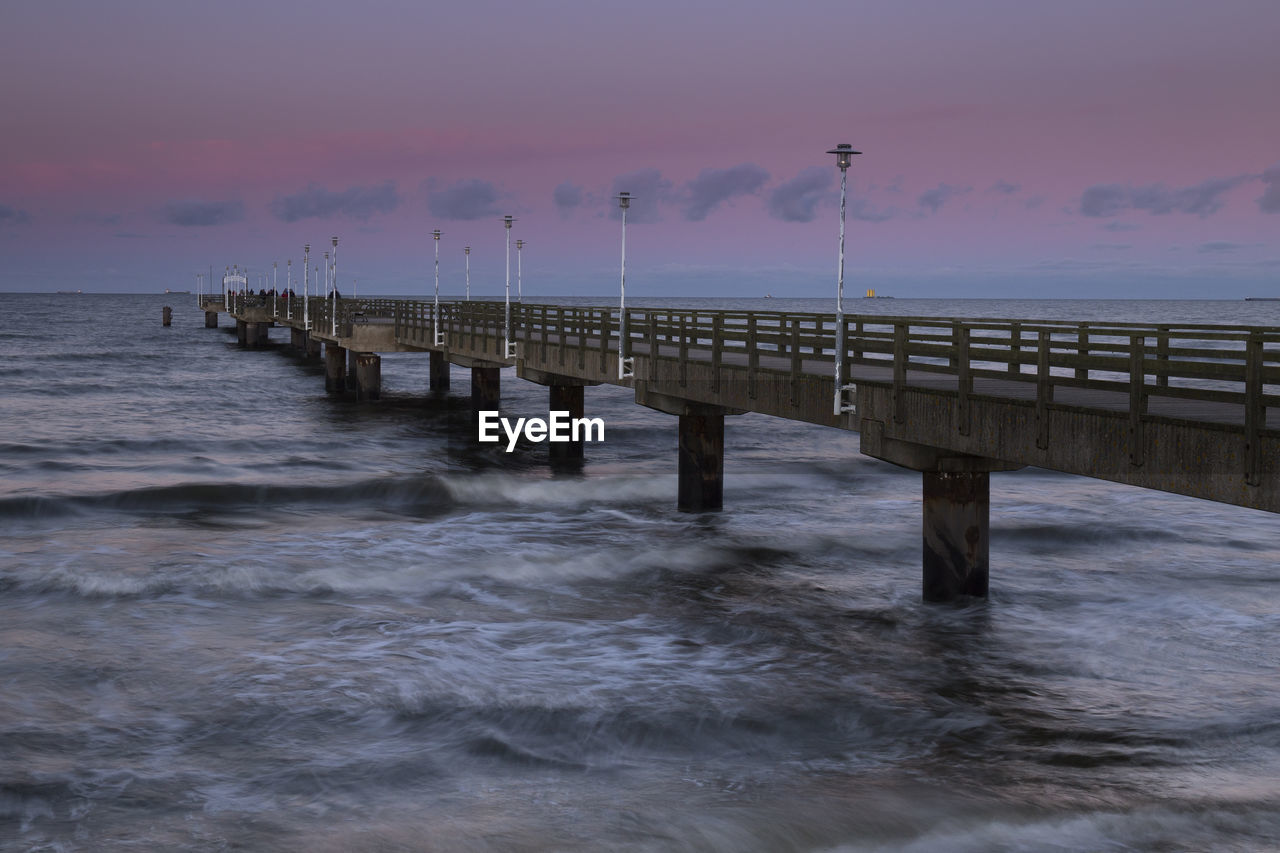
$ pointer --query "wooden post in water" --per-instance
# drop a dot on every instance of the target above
(335, 368)
(701, 462)
(166, 316)
(211, 319)
(439, 367)
(956, 534)
(571, 399)
(486, 389)
(368, 376)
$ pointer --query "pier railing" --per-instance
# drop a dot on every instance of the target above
(1134, 362)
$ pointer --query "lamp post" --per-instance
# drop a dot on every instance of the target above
(510, 349)
(306, 285)
(626, 364)
(288, 286)
(275, 294)
(466, 251)
(327, 287)
(844, 157)
(334, 330)
(435, 310)
(519, 268)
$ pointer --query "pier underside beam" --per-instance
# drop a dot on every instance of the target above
(439, 367)
(335, 364)
(368, 376)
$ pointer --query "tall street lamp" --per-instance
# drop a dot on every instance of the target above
(844, 157)
(626, 364)
(519, 267)
(510, 348)
(334, 275)
(306, 285)
(466, 251)
(435, 311)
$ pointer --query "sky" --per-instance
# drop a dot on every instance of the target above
(1098, 148)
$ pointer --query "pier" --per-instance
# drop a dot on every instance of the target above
(1188, 409)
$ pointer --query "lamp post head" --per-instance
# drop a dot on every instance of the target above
(844, 155)
(436, 233)
(335, 242)
(519, 244)
(307, 248)
(466, 250)
(624, 200)
(507, 220)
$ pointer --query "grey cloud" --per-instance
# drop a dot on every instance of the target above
(1113, 246)
(1120, 226)
(1200, 199)
(89, 218)
(13, 216)
(316, 202)
(1004, 187)
(1269, 201)
(568, 197)
(861, 209)
(939, 195)
(203, 213)
(1215, 246)
(466, 199)
(713, 187)
(648, 188)
(797, 200)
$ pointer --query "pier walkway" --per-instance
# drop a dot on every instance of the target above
(1190, 409)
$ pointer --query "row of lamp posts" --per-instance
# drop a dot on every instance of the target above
(626, 363)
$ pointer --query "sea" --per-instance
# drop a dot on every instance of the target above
(240, 613)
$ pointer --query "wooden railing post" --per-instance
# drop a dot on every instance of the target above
(1255, 412)
(1044, 390)
(1162, 356)
(1015, 348)
(1137, 398)
(717, 350)
(964, 379)
(899, 371)
(1082, 350)
(753, 354)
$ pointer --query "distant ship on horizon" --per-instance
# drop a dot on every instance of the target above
(71, 291)
(871, 294)
(167, 290)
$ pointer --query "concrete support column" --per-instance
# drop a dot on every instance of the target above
(701, 462)
(298, 339)
(352, 383)
(566, 398)
(312, 346)
(368, 375)
(264, 334)
(335, 364)
(240, 332)
(251, 337)
(211, 319)
(439, 371)
(486, 388)
(957, 533)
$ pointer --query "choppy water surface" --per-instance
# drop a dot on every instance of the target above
(236, 612)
